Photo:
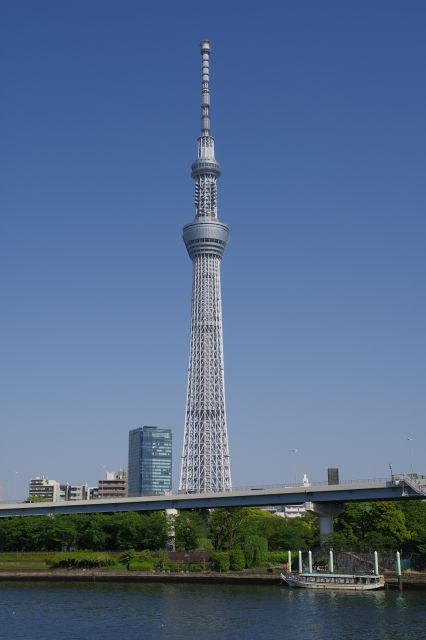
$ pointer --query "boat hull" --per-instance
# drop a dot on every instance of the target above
(319, 582)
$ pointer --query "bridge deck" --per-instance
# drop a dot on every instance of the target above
(347, 492)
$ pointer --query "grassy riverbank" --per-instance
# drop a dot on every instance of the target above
(127, 562)
(36, 561)
(160, 561)
(15, 561)
(37, 566)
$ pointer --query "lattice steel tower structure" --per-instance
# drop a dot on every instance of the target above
(205, 457)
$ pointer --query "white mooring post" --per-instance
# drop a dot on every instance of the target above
(310, 560)
(289, 561)
(398, 570)
(331, 561)
(376, 563)
(300, 562)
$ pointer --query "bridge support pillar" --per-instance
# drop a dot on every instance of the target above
(326, 511)
(171, 544)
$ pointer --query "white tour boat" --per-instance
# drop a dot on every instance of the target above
(335, 581)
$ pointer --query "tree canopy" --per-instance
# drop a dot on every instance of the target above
(383, 526)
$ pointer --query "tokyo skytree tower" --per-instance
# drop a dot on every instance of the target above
(205, 457)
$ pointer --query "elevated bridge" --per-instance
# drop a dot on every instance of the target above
(406, 486)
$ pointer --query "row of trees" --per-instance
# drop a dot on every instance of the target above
(218, 530)
(384, 526)
(376, 525)
(96, 532)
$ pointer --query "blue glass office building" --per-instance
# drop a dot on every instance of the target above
(150, 461)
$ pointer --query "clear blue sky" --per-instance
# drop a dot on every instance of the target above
(319, 118)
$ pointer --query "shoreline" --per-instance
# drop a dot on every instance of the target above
(78, 575)
(410, 582)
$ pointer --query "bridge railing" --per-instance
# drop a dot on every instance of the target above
(298, 485)
(413, 480)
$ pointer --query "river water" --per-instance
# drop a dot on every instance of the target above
(52, 611)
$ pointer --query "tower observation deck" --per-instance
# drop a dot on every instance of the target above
(205, 456)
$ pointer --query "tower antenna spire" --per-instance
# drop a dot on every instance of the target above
(205, 46)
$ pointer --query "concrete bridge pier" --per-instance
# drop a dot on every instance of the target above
(326, 511)
(171, 544)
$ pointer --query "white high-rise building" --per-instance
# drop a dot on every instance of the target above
(52, 491)
(205, 456)
(44, 489)
(74, 492)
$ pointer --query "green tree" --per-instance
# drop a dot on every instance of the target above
(295, 533)
(187, 529)
(237, 561)
(137, 530)
(221, 560)
(374, 525)
(227, 527)
(155, 531)
(15, 534)
(339, 540)
(255, 551)
(90, 532)
(53, 533)
(415, 519)
(129, 530)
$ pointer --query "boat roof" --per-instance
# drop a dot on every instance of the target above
(340, 575)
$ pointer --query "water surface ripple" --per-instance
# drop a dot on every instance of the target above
(34, 611)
